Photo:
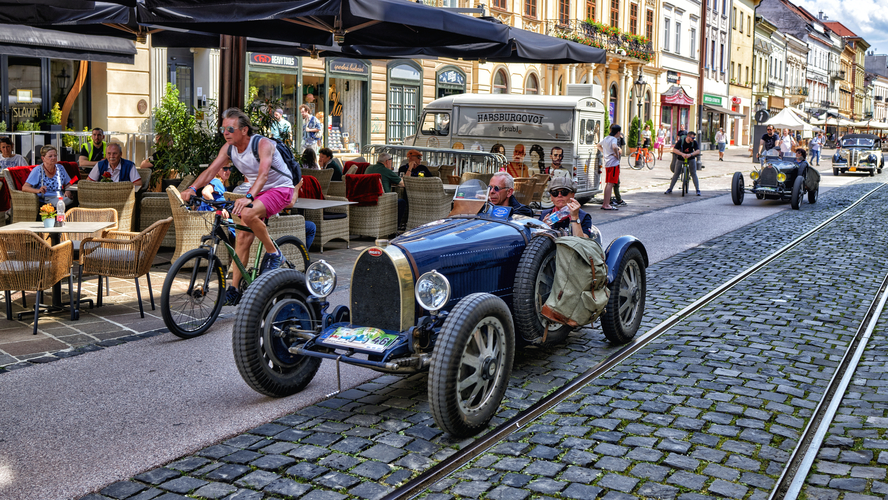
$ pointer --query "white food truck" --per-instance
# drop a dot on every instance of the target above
(527, 129)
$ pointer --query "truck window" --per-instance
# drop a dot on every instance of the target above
(582, 134)
(436, 124)
(589, 133)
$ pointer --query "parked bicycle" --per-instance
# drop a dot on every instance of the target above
(640, 158)
(190, 311)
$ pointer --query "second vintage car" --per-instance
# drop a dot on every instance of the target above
(778, 179)
(453, 297)
(859, 153)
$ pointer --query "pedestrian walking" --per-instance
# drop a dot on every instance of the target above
(816, 146)
(721, 140)
(311, 129)
(661, 141)
(610, 148)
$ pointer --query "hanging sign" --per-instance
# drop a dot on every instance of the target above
(451, 77)
(349, 67)
(711, 99)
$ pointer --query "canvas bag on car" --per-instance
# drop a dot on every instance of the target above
(579, 290)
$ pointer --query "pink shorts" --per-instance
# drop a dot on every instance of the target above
(275, 200)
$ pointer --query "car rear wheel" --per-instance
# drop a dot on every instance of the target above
(812, 195)
(275, 302)
(737, 191)
(625, 306)
(471, 364)
(797, 188)
(533, 284)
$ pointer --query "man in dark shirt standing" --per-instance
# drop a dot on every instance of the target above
(95, 150)
(768, 141)
(686, 148)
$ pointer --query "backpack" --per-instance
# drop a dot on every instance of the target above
(579, 289)
(295, 168)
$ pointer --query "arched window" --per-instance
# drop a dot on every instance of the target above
(647, 105)
(532, 85)
(500, 82)
(612, 105)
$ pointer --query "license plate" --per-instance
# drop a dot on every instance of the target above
(367, 339)
(852, 169)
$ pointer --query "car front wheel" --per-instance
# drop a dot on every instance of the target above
(737, 190)
(471, 364)
(625, 306)
(797, 190)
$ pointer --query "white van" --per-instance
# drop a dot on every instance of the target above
(526, 129)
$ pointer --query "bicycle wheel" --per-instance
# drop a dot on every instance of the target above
(190, 310)
(294, 251)
(650, 160)
(634, 160)
(685, 178)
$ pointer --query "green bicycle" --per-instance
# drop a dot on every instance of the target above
(685, 176)
(190, 310)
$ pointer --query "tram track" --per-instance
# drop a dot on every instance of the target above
(795, 471)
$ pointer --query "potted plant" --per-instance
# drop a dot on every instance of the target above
(48, 215)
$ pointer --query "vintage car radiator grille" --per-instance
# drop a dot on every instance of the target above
(853, 157)
(375, 293)
(768, 177)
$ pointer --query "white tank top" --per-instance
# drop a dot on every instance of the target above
(249, 166)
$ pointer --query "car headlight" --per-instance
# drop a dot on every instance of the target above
(843, 153)
(781, 177)
(872, 158)
(754, 175)
(320, 279)
(432, 291)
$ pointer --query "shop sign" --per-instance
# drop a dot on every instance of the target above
(712, 99)
(451, 77)
(25, 111)
(735, 100)
(673, 77)
(350, 66)
(272, 60)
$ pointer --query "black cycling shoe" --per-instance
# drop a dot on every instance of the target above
(232, 296)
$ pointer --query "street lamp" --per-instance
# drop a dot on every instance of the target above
(639, 88)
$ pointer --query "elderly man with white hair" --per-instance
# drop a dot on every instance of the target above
(501, 192)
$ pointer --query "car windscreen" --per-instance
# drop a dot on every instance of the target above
(858, 142)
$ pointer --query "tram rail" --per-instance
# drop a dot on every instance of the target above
(796, 470)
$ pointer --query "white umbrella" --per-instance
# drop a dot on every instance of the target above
(787, 119)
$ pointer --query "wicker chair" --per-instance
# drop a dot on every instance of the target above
(25, 206)
(524, 190)
(278, 225)
(29, 263)
(117, 195)
(435, 171)
(323, 176)
(485, 178)
(155, 206)
(122, 254)
(445, 171)
(190, 226)
(376, 221)
(90, 215)
(337, 188)
(426, 200)
(542, 182)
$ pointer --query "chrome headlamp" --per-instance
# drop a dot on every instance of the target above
(432, 291)
(781, 177)
(320, 279)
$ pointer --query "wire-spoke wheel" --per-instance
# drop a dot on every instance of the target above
(191, 310)
(625, 306)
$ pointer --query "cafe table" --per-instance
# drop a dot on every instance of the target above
(312, 204)
(55, 236)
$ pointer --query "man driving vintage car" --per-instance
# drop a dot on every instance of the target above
(562, 190)
(502, 187)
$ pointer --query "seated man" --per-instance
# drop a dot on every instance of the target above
(562, 190)
(383, 166)
(117, 168)
(801, 161)
(326, 160)
(413, 168)
(502, 187)
(271, 191)
(95, 150)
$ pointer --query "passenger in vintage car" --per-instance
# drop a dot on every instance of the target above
(502, 187)
(562, 190)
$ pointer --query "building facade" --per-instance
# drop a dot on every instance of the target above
(716, 77)
(679, 58)
(850, 89)
(740, 87)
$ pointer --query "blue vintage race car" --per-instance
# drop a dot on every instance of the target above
(453, 297)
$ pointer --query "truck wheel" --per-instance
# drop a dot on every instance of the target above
(273, 303)
(737, 191)
(797, 187)
(471, 364)
(533, 283)
(625, 306)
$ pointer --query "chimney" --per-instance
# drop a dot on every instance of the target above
(820, 15)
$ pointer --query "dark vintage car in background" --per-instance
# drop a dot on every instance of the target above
(454, 297)
(859, 153)
(778, 179)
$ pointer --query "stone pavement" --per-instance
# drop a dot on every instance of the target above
(711, 410)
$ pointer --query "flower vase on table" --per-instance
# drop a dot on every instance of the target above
(48, 215)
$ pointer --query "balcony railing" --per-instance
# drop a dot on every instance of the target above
(837, 74)
(603, 37)
(797, 91)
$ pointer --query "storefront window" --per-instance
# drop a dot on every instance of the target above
(612, 105)
(348, 102)
(63, 88)
(180, 64)
(405, 80)
(666, 118)
(25, 91)
(451, 80)
(275, 78)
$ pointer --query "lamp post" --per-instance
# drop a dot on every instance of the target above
(639, 88)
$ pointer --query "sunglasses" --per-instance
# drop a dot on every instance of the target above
(226, 169)
(496, 189)
(560, 192)
(230, 130)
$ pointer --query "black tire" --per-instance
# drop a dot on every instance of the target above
(650, 161)
(685, 180)
(633, 160)
(295, 254)
(533, 283)
(737, 189)
(191, 312)
(835, 171)
(812, 195)
(797, 190)
(275, 299)
(625, 306)
(462, 402)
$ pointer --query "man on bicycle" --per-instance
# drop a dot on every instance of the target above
(271, 191)
(688, 149)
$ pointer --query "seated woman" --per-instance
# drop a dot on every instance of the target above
(8, 158)
(310, 159)
(49, 181)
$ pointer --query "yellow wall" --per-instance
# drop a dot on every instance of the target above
(116, 92)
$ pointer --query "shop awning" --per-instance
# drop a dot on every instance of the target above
(35, 42)
(676, 95)
(719, 109)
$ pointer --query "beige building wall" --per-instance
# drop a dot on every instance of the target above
(741, 66)
(117, 91)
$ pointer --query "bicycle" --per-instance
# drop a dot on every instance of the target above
(642, 157)
(193, 310)
(685, 176)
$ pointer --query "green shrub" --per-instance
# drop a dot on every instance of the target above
(634, 129)
(185, 142)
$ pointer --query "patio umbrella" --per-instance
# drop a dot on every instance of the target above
(323, 22)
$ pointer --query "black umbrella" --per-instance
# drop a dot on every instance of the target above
(323, 22)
